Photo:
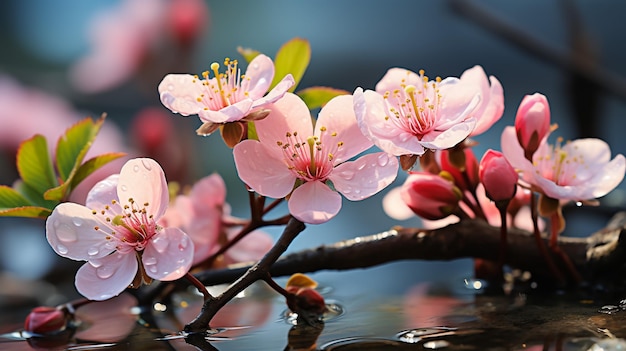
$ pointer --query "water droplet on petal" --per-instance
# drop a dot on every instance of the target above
(95, 263)
(147, 165)
(77, 222)
(170, 87)
(160, 244)
(149, 261)
(105, 272)
(124, 188)
(136, 168)
(62, 249)
(255, 66)
(153, 269)
(347, 174)
(383, 160)
(184, 242)
(609, 309)
(361, 166)
(92, 251)
(66, 233)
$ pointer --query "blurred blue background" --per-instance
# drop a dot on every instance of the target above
(525, 44)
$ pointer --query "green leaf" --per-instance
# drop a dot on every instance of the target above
(86, 169)
(252, 135)
(93, 164)
(34, 196)
(74, 144)
(34, 165)
(10, 198)
(26, 211)
(293, 57)
(316, 97)
(248, 54)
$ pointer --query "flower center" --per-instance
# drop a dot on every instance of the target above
(558, 165)
(414, 109)
(223, 89)
(129, 230)
(311, 158)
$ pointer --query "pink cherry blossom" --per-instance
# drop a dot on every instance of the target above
(491, 106)
(227, 97)
(532, 122)
(290, 152)
(202, 213)
(117, 231)
(408, 114)
(497, 176)
(579, 170)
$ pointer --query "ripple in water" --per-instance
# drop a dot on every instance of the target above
(333, 311)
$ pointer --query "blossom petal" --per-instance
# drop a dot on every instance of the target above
(70, 230)
(512, 150)
(449, 137)
(396, 76)
(366, 176)
(179, 93)
(261, 170)
(314, 202)
(103, 195)
(289, 114)
(260, 71)
(209, 191)
(251, 248)
(492, 107)
(168, 255)
(143, 180)
(276, 93)
(370, 111)
(338, 116)
(106, 277)
(227, 114)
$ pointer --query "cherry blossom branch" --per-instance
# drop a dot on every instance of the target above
(595, 256)
(259, 271)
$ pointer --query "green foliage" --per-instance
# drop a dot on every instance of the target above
(248, 54)
(293, 57)
(316, 97)
(43, 186)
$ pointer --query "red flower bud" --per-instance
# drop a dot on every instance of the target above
(430, 196)
(46, 320)
(498, 176)
(532, 122)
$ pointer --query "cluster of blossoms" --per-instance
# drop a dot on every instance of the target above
(128, 237)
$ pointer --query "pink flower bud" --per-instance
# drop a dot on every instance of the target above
(46, 320)
(498, 176)
(188, 18)
(430, 196)
(532, 122)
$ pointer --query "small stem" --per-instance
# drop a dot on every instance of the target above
(279, 289)
(539, 240)
(554, 246)
(198, 284)
(256, 272)
(502, 205)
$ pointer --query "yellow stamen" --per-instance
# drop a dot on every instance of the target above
(215, 68)
(311, 142)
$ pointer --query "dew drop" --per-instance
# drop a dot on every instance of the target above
(153, 269)
(124, 188)
(147, 165)
(77, 222)
(160, 244)
(66, 233)
(383, 160)
(62, 249)
(136, 168)
(184, 242)
(255, 66)
(361, 166)
(95, 263)
(92, 251)
(149, 261)
(170, 87)
(579, 204)
(347, 174)
(609, 309)
(105, 272)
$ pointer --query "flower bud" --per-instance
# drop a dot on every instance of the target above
(46, 320)
(498, 176)
(431, 196)
(470, 167)
(532, 122)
